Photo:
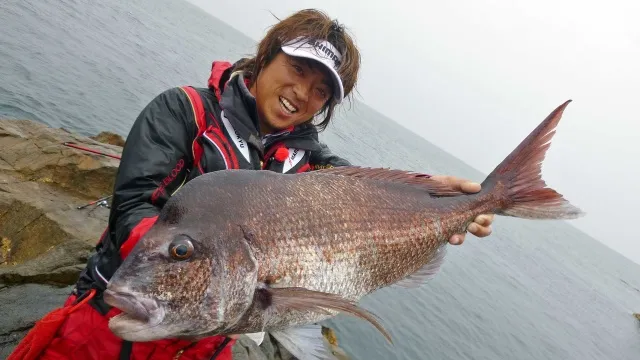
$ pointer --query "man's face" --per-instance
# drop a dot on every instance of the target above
(289, 91)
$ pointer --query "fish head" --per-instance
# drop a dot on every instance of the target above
(182, 280)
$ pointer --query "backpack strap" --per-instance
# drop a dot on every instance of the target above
(201, 123)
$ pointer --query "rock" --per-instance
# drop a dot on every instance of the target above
(41, 184)
(22, 306)
(44, 239)
(33, 152)
(636, 315)
(58, 266)
(108, 137)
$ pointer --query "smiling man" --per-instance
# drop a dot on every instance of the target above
(259, 113)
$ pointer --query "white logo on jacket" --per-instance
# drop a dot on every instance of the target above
(238, 141)
(295, 156)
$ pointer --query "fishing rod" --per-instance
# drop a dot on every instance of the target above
(73, 145)
(100, 202)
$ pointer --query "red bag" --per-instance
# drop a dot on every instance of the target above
(44, 331)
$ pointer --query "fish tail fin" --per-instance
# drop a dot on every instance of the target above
(523, 192)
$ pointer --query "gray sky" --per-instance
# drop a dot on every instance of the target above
(463, 69)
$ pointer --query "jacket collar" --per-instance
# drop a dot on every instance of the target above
(239, 107)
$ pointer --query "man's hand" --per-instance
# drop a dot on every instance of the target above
(481, 225)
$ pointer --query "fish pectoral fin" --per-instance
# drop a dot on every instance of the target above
(256, 337)
(302, 299)
(305, 342)
(433, 187)
(426, 273)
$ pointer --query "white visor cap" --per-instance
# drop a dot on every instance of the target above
(323, 52)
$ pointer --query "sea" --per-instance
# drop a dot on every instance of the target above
(532, 290)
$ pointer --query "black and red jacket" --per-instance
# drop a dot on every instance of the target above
(183, 133)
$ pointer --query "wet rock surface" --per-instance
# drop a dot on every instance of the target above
(44, 239)
(22, 306)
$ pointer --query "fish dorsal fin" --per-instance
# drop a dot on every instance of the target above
(302, 299)
(425, 273)
(433, 187)
(305, 342)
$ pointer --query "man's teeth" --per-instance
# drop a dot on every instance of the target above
(287, 105)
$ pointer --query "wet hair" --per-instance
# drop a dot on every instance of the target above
(315, 25)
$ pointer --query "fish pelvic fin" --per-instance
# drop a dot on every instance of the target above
(256, 337)
(518, 178)
(301, 299)
(426, 273)
(305, 342)
(423, 181)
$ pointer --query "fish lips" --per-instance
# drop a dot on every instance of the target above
(137, 307)
(138, 312)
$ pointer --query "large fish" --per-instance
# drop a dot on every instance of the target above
(246, 252)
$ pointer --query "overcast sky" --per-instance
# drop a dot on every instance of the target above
(453, 71)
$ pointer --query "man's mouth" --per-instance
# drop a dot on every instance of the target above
(288, 106)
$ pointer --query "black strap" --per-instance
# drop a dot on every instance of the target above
(220, 348)
(125, 350)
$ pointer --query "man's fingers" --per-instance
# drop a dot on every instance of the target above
(484, 219)
(479, 231)
(470, 187)
(458, 183)
(481, 227)
(456, 239)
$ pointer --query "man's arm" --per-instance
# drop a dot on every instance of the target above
(155, 162)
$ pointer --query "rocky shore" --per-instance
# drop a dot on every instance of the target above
(45, 239)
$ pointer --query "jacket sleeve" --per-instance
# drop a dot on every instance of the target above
(155, 162)
(325, 158)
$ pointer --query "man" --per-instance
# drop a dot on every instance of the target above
(255, 114)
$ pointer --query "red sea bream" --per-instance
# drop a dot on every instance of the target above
(246, 252)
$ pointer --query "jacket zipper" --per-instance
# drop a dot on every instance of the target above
(181, 351)
(178, 354)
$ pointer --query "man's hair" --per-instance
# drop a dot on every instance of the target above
(315, 25)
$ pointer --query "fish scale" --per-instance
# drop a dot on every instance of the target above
(391, 234)
(375, 253)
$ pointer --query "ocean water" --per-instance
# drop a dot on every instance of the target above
(532, 290)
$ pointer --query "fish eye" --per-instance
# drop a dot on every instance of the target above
(181, 248)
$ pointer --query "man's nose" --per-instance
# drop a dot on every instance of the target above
(302, 90)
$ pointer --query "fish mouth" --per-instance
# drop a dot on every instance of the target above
(139, 318)
(138, 308)
(143, 319)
